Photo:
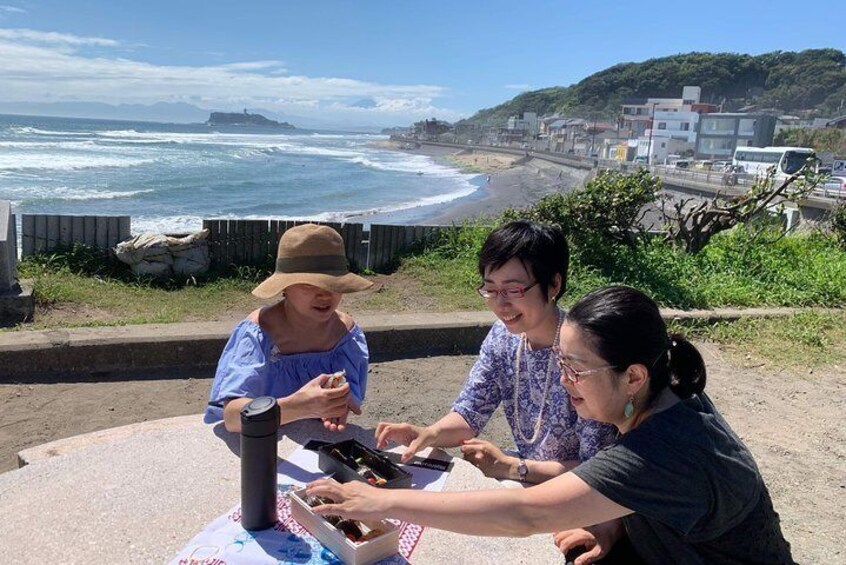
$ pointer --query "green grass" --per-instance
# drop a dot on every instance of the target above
(735, 269)
(803, 341)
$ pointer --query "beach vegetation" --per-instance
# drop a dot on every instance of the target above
(837, 224)
(609, 209)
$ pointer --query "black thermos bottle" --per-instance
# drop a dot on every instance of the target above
(259, 424)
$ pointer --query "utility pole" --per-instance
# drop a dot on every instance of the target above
(651, 129)
(593, 136)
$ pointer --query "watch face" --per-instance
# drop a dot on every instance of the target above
(522, 470)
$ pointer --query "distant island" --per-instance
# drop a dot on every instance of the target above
(244, 119)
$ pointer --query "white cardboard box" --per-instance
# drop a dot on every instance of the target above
(349, 552)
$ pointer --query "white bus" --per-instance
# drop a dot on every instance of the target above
(759, 160)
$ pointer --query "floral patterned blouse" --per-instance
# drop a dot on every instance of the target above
(563, 435)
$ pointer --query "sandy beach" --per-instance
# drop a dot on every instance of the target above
(507, 183)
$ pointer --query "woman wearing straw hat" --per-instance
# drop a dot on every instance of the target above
(290, 350)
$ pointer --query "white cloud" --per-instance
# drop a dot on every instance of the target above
(517, 86)
(6, 10)
(53, 38)
(40, 66)
(277, 67)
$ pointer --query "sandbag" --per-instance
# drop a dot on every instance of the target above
(163, 256)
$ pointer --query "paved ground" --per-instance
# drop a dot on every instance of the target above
(792, 422)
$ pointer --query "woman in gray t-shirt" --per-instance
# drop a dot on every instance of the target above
(678, 480)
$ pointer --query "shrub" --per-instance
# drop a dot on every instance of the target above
(608, 210)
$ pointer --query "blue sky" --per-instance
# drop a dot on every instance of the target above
(376, 62)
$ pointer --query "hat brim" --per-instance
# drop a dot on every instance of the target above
(342, 284)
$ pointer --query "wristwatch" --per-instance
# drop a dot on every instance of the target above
(522, 470)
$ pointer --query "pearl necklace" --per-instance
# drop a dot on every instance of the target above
(517, 366)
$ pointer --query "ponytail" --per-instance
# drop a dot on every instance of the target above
(687, 369)
(625, 327)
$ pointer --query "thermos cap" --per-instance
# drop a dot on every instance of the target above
(260, 417)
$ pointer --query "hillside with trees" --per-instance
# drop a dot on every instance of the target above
(810, 82)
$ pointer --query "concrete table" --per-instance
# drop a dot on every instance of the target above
(138, 494)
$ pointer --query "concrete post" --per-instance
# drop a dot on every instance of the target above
(8, 248)
(16, 301)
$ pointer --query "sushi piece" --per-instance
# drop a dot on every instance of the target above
(336, 379)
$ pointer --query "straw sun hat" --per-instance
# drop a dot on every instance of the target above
(311, 254)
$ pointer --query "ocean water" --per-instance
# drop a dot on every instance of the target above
(168, 177)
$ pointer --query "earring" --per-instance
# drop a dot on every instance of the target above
(628, 409)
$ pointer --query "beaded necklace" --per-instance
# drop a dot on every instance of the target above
(517, 367)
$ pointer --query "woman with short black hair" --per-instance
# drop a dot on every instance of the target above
(523, 266)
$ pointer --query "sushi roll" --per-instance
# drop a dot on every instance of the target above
(336, 379)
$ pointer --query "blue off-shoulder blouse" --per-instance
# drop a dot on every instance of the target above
(252, 366)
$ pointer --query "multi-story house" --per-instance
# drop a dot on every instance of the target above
(720, 134)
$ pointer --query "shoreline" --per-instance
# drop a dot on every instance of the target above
(502, 184)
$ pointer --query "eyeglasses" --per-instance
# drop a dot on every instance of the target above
(507, 293)
(572, 374)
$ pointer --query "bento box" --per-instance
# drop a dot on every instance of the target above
(381, 538)
(350, 460)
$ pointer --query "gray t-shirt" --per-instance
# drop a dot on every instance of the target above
(694, 488)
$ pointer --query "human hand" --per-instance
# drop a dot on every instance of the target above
(596, 540)
(339, 424)
(354, 499)
(415, 437)
(314, 401)
(489, 459)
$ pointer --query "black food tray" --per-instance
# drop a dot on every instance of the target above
(343, 467)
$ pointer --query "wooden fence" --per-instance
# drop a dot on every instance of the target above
(42, 233)
(239, 242)
(231, 242)
(243, 242)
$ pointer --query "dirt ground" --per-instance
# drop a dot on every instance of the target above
(791, 421)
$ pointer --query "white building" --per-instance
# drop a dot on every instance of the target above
(677, 124)
(662, 145)
(637, 117)
(528, 123)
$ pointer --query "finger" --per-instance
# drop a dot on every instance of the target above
(320, 380)
(355, 407)
(327, 423)
(380, 430)
(558, 537)
(569, 540)
(383, 435)
(588, 556)
(413, 448)
(328, 509)
(339, 392)
(472, 441)
(319, 486)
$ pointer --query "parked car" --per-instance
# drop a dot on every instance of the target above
(720, 165)
(682, 164)
(835, 184)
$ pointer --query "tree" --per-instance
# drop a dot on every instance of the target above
(692, 225)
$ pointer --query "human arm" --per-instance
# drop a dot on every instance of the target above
(563, 503)
(449, 431)
(493, 462)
